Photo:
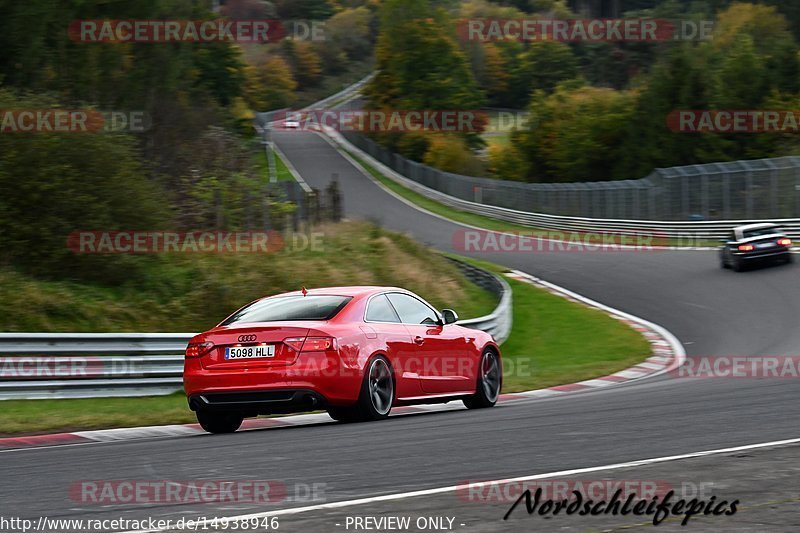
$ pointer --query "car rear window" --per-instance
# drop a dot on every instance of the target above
(759, 232)
(321, 307)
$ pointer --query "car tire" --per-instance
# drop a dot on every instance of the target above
(489, 382)
(377, 391)
(221, 422)
(737, 265)
(375, 397)
(723, 262)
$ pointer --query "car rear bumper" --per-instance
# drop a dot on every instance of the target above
(312, 381)
(759, 255)
(259, 401)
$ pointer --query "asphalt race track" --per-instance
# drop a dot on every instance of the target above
(712, 312)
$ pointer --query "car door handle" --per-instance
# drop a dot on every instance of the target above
(419, 340)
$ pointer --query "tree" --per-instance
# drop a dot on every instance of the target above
(579, 134)
(771, 43)
(304, 60)
(507, 163)
(350, 31)
(270, 85)
(419, 64)
(544, 65)
(451, 154)
(55, 184)
(682, 80)
(493, 73)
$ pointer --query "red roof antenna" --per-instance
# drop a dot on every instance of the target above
(304, 290)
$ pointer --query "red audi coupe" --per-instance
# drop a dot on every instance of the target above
(353, 351)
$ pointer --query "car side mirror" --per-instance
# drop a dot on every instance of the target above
(449, 316)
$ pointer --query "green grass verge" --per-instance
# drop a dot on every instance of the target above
(555, 341)
(487, 222)
(281, 170)
(192, 292)
(47, 416)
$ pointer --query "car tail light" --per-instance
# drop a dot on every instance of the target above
(746, 247)
(309, 344)
(196, 349)
(785, 242)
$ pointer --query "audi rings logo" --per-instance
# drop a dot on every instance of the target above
(247, 338)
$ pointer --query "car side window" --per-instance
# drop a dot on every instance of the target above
(380, 310)
(411, 310)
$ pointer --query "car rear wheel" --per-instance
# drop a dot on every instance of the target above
(377, 391)
(376, 396)
(219, 422)
(490, 379)
(737, 265)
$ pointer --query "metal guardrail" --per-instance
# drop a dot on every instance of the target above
(498, 323)
(344, 94)
(99, 365)
(734, 190)
(90, 365)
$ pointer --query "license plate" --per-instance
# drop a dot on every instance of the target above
(250, 352)
(763, 245)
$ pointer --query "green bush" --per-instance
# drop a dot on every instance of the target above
(57, 183)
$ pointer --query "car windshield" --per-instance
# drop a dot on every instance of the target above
(322, 307)
(760, 232)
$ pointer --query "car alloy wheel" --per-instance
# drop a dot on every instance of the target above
(490, 376)
(380, 386)
(490, 381)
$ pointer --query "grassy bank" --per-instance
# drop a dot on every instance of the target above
(192, 292)
(555, 341)
(49, 416)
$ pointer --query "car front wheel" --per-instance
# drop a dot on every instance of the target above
(490, 379)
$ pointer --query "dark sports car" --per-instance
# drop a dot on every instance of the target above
(354, 351)
(754, 243)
